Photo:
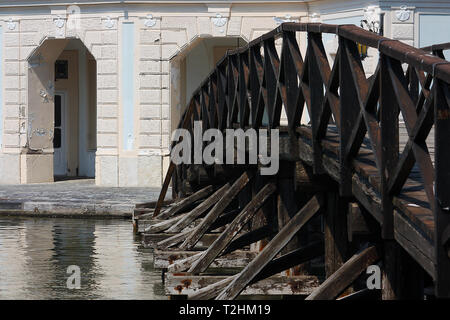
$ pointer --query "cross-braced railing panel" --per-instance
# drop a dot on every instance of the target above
(251, 85)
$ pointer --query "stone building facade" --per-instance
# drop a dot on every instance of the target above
(95, 89)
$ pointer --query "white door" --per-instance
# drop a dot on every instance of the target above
(59, 141)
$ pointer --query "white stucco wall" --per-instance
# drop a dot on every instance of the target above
(172, 30)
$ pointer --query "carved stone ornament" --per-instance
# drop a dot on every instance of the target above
(219, 20)
(403, 14)
(149, 21)
(11, 24)
(59, 22)
(108, 22)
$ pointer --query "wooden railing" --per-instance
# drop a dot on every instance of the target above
(254, 83)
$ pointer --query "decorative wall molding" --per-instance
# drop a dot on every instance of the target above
(286, 18)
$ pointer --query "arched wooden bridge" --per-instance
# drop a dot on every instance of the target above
(365, 182)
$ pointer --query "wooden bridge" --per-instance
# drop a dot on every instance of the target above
(364, 183)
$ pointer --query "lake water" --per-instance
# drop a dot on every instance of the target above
(35, 254)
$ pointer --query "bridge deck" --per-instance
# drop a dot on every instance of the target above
(414, 220)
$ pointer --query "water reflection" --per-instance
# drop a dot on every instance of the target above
(35, 254)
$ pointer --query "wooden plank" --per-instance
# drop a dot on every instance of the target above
(215, 212)
(335, 232)
(151, 239)
(233, 229)
(236, 259)
(277, 285)
(199, 210)
(290, 259)
(179, 206)
(346, 274)
(414, 243)
(152, 204)
(277, 265)
(250, 237)
(272, 249)
(240, 242)
(287, 199)
(184, 264)
(163, 225)
(173, 240)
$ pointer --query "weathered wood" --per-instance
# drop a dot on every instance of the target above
(272, 249)
(277, 265)
(216, 211)
(151, 239)
(335, 232)
(179, 206)
(290, 259)
(250, 237)
(415, 243)
(360, 222)
(198, 211)
(236, 259)
(286, 199)
(276, 285)
(152, 204)
(402, 276)
(345, 275)
(163, 225)
(173, 240)
(184, 264)
(442, 185)
(232, 229)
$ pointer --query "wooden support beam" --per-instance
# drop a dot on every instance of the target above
(272, 249)
(240, 242)
(402, 275)
(179, 206)
(215, 212)
(224, 219)
(236, 259)
(414, 242)
(233, 229)
(151, 239)
(184, 264)
(335, 232)
(346, 274)
(163, 225)
(290, 259)
(173, 240)
(276, 285)
(199, 210)
(275, 266)
(250, 237)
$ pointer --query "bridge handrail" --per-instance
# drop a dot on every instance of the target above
(247, 83)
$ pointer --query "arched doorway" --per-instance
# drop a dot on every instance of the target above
(61, 112)
(192, 65)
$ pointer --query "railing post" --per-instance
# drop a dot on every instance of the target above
(389, 111)
(316, 88)
(349, 110)
(442, 187)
